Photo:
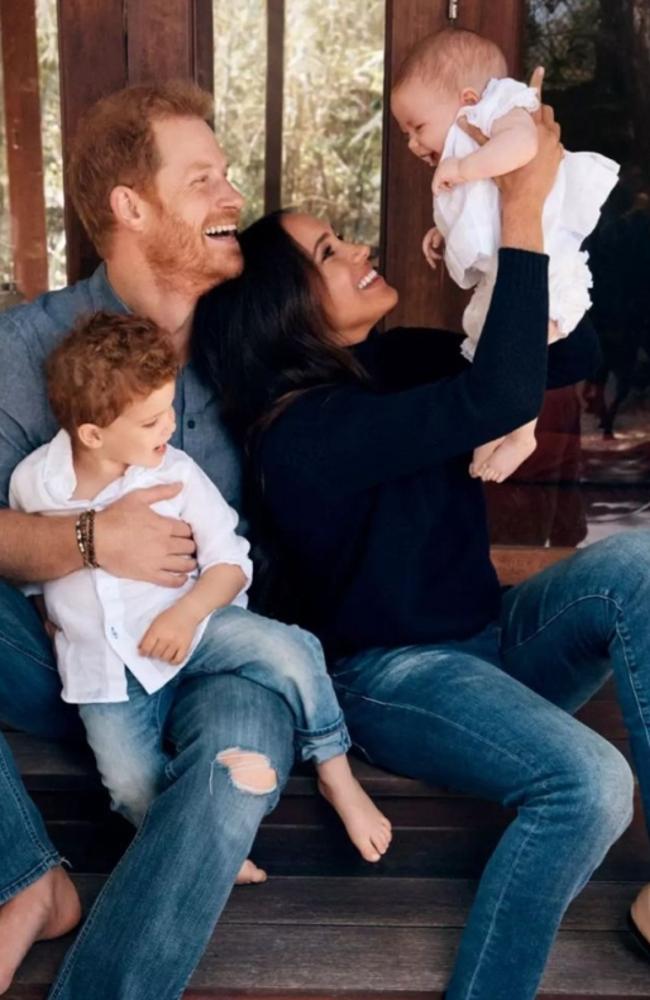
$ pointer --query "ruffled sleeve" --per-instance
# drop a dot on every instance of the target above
(498, 98)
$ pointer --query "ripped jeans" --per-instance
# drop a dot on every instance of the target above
(185, 855)
(127, 737)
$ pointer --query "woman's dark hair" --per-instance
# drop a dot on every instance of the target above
(262, 337)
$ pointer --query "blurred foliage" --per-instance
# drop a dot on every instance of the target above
(332, 123)
(562, 36)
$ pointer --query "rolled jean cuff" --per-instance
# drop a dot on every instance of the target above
(50, 860)
(320, 745)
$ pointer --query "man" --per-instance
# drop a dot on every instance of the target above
(150, 184)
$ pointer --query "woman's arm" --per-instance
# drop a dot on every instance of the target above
(348, 438)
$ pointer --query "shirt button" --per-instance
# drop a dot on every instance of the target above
(191, 424)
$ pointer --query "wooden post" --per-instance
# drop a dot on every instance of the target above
(92, 55)
(274, 105)
(24, 146)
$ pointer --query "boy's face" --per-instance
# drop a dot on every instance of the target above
(140, 434)
(425, 114)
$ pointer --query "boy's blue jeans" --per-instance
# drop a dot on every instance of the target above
(127, 737)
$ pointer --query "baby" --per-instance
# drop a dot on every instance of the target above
(121, 644)
(456, 77)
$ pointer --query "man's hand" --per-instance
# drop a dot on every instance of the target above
(132, 541)
(432, 246)
(169, 636)
(449, 173)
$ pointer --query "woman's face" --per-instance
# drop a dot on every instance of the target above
(356, 297)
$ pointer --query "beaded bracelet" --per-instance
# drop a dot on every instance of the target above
(85, 534)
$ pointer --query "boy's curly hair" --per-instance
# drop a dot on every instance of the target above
(105, 363)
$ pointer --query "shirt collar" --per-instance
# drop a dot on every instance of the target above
(58, 473)
(102, 294)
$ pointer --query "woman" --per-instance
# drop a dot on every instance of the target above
(359, 446)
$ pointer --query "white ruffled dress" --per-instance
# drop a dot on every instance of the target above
(468, 217)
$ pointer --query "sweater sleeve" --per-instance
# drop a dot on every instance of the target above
(346, 439)
(574, 357)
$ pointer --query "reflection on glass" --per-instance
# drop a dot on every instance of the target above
(591, 472)
(239, 91)
(334, 71)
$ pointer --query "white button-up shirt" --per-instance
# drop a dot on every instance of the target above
(102, 618)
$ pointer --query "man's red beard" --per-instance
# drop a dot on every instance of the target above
(181, 260)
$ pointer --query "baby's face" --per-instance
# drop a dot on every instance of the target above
(425, 114)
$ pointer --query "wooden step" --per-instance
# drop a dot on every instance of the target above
(320, 937)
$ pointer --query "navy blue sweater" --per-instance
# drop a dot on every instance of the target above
(367, 486)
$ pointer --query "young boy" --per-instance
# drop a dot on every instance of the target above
(121, 644)
(454, 78)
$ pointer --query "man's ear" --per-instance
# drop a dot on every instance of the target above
(90, 435)
(127, 207)
(469, 96)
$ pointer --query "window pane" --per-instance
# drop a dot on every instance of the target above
(334, 72)
(591, 472)
(240, 89)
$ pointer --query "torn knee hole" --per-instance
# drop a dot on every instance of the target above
(249, 771)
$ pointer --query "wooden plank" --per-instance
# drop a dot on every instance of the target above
(92, 55)
(301, 960)
(203, 44)
(403, 902)
(23, 145)
(274, 105)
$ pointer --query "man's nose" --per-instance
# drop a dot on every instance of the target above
(231, 197)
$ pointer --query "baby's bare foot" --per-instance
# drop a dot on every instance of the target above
(506, 458)
(481, 458)
(250, 874)
(367, 827)
(44, 910)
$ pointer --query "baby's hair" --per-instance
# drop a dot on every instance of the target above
(107, 362)
(453, 58)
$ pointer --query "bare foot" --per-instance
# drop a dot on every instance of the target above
(640, 912)
(503, 461)
(250, 874)
(481, 457)
(367, 827)
(46, 909)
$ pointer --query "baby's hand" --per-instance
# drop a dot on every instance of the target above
(448, 174)
(169, 636)
(431, 244)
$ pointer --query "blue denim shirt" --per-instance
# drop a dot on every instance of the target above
(27, 335)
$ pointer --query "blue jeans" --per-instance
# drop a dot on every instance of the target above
(489, 716)
(170, 867)
(127, 737)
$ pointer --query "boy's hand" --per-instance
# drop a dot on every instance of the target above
(169, 636)
(432, 246)
(448, 175)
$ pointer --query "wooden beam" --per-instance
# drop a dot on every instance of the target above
(92, 54)
(274, 105)
(24, 145)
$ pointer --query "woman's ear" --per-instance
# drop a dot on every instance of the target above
(469, 96)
